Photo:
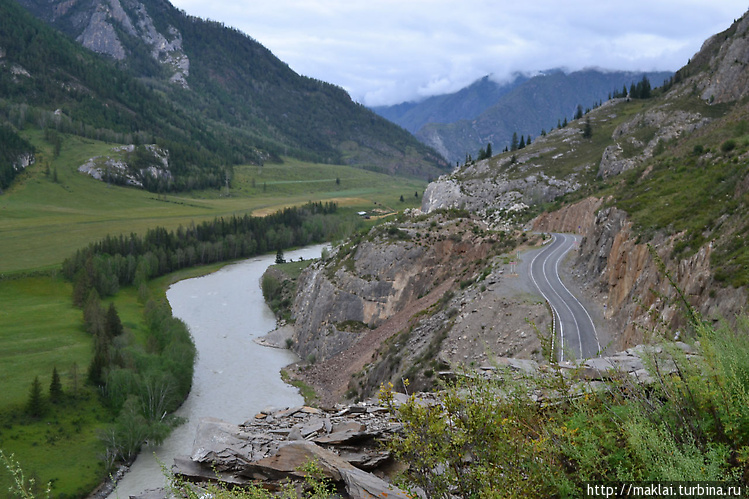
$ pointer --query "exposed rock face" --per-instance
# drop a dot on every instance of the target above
(441, 298)
(576, 218)
(727, 55)
(99, 23)
(116, 168)
(496, 192)
(100, 36)
(637, 295)
(24, 161)
(370, 283)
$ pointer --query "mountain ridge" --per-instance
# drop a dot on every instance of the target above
(526, 106)
(254, 106)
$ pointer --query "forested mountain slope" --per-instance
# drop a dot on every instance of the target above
(209, 95)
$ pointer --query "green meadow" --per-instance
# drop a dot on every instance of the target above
(43, 221)
(50, 211)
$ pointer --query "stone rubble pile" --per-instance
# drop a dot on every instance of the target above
(347, 445)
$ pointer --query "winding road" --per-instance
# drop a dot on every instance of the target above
(575, 335)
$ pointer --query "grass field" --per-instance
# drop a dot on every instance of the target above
(42, 222)
(40, 330)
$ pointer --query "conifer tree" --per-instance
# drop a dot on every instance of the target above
(112, 322)
(587, 129)
(35, 405)
(514, 143)
(55, 387)
(522, 143)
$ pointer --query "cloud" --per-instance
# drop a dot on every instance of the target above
(388, 51)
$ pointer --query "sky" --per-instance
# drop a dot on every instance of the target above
(390, 51)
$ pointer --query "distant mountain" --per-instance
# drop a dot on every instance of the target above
(214, 90)
(464, 104)
(492, 112)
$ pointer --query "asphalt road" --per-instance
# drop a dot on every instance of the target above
(575, 335)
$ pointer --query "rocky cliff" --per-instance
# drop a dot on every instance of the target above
(101, 26)
(497, 188)
(369, 280)
(719, 69)
(410, 299)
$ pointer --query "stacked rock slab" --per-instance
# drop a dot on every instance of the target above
(346, 444)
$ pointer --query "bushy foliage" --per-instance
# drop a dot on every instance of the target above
(504, 437)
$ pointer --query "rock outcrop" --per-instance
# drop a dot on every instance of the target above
(119, 169)
(100, 26)
(663, 123)
(346, 444)
(364, 285)
(726, 56)
(499, 191)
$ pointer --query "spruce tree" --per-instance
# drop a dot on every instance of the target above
(112, 322)
(55, 387)
(522, 143)
(35, 405)
(514, 143)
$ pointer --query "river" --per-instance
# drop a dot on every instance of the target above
(234, 377)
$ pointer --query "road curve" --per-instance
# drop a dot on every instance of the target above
(575, 333)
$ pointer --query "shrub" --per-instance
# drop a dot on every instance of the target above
(728, 146)
(690, 423)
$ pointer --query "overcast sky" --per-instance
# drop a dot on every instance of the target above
(390, 51)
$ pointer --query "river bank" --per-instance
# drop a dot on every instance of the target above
(234, 376)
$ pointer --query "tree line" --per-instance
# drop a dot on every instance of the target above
(12, 147)
(123, 260)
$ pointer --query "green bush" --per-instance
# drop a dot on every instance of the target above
(690, 423)
(728, 146)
